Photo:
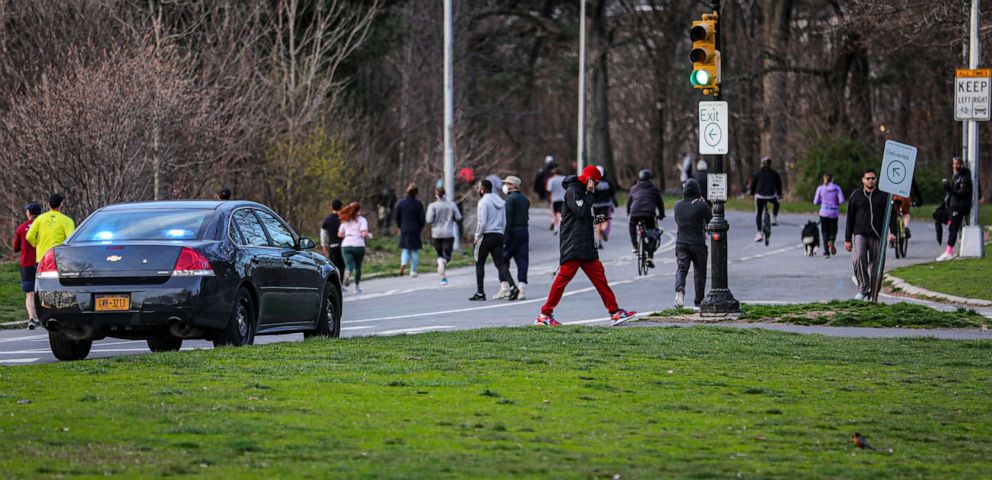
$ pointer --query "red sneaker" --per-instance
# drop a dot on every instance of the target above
(546, 321)
(620, 316)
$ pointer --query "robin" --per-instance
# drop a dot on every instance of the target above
(861, 442)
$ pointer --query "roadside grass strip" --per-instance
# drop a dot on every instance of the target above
(844, 313)
(570, 402)
(962, 277)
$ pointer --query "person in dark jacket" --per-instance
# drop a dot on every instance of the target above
(541, 179)
(329, 241)
(692, 214)
(410, 221)
(766, 186)
(863, 233)
(517, 235)
(578, 249)
(646, 206)
(958, 200)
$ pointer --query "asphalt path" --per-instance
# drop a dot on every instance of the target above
(775, 274)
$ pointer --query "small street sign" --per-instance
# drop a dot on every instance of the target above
(714, 121)
(898, 164)
(972, 93)
(716, 188)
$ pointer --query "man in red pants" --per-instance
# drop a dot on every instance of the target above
(578, 249)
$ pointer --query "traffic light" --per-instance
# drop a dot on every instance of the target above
(704, 56)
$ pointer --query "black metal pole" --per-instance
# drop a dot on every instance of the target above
(719, 301)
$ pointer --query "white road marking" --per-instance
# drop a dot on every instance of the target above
(768, 254)
(20, 360)
(355, 328)
(429, 328)
(26, 337)
(25, 352)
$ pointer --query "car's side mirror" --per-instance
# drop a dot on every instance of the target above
(306, 244)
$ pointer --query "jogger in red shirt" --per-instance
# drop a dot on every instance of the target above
(578, 249)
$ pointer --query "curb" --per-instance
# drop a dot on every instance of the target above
(912, 290)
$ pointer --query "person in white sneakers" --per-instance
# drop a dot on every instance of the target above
(491, 218)
(516, 235)
(863, 232)
(442, 216)
(958, 204)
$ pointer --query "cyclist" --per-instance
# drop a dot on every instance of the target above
(766, 186)
(901, 206)
(644, 206)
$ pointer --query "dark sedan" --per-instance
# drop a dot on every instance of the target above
(168, 271)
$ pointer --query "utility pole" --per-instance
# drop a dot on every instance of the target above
(972, 241)
(719, 300)
(581, 143)
(449, 114)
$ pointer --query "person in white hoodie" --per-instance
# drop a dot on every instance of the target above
(491, 218)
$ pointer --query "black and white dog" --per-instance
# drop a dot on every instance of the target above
(811, 237)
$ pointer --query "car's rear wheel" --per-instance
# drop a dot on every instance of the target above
(67, 349)
(240, 328)
(165, 344)
(329, 318)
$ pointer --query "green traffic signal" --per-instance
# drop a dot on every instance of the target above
(700, 78)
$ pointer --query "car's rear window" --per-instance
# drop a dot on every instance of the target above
(150, 224)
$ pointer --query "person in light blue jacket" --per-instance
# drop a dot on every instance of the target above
(829, 197)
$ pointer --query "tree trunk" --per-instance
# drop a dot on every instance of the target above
(602, 146)
(777, 17)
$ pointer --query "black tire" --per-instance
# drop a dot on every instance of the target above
(766, 227)
(902, 245)
(329, 317)
(165, 344)
(67, 349)
(642, 264)
(241, 326)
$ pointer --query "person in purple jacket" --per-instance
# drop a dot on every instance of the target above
(829, 197)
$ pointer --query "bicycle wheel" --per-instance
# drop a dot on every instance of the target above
(902, 243)
(642, 264)
(766, 227)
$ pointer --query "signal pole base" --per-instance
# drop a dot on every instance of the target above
(972, 242)
(720, 303)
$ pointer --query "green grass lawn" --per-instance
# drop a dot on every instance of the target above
(848, 313)
(970, 277)
(563, 403)
(11, 297)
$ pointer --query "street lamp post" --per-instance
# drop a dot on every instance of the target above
(449, 114)
(581, 142)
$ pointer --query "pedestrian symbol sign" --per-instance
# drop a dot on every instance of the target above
(714, 119)
(898, 164)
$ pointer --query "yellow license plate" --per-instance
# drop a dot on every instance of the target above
(111, 303)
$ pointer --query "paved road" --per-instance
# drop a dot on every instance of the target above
(778, 273)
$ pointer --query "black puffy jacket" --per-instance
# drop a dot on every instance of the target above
(959, 190)
(644, 200)
(577, 238)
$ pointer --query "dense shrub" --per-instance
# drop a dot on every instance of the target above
(844, 157)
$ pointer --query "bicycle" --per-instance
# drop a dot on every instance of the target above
(642, 253)
(766, 227)
(901, 244)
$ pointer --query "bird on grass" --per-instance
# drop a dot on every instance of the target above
(862, 442)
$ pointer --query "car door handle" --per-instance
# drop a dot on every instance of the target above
(254, 260)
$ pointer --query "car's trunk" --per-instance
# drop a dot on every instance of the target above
(117, 264)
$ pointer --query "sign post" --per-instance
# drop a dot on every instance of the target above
(896, 178)
(972, 104)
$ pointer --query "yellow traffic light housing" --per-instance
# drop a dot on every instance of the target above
(704, 56)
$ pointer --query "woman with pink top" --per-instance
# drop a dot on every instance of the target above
(829, 197)
(354, 230)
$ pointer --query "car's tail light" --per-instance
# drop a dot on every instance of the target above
(192, 264)
(47, 268)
